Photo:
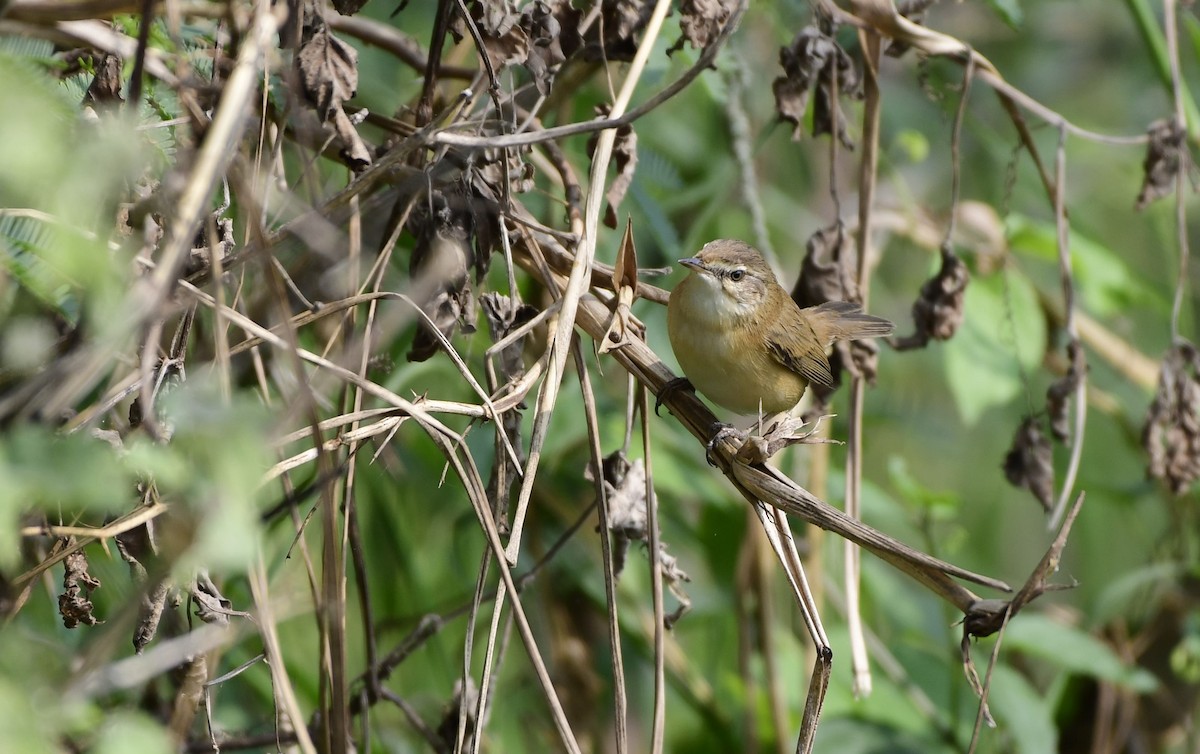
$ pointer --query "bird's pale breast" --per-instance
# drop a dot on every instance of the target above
(727, 360)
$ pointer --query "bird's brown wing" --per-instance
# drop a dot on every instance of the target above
(799, 349)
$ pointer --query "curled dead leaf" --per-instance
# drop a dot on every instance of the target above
(1164, 159)
(327, 69)
(1030, 462)
(1171, 435)
(810, 64)
(701, 21)
(75, 604)
(938, 311)
(625, 488)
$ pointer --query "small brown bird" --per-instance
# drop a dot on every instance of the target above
(741, 339)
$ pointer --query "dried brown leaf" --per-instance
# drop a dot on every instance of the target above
(553, 31)
(211, 605)
(701, 21)
(105, 89)
(809, 64)
(1171, 435)
(621, 20)
(75, 604)
(1164, 159)
(938, 310)
(823, 276)
(327, 69)
(1030, 462)
(348, 7)
(503, 315)
(447, 729)
(625, 488)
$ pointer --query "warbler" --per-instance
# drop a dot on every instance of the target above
(743, 342)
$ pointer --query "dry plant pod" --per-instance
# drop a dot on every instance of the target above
(1171, 435)
(1058, 395)
(75, 604)
(809, 64)
(1164, 158)
(624, 154)
(624, 282)
(327, 69)
(1030, 462)
(938, 311)
(701, 21)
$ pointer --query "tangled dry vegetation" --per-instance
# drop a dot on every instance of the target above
(221, 375)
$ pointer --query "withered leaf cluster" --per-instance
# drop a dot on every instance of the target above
(701, 21)
(1030, 459)
(75, 604)
(540, 37)
(938, 311)
(327, 69)
(812, 64)
(1171, 435)
(1164, 159)
(625, 488)
(1030, 462)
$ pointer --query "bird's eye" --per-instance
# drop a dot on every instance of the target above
(737, 275)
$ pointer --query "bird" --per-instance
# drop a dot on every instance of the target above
(743, 342)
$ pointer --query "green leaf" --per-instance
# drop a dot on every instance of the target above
(225, 446)
(1009, 10)
(1074, 650)
(1002, 334)
(58, 474)
(1024, 712)
(1107, 285)
(130, 731)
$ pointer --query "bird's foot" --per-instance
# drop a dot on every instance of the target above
(669, 389)
(781, 434)
(723, 432)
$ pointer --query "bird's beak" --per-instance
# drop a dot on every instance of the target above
(693, 263)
